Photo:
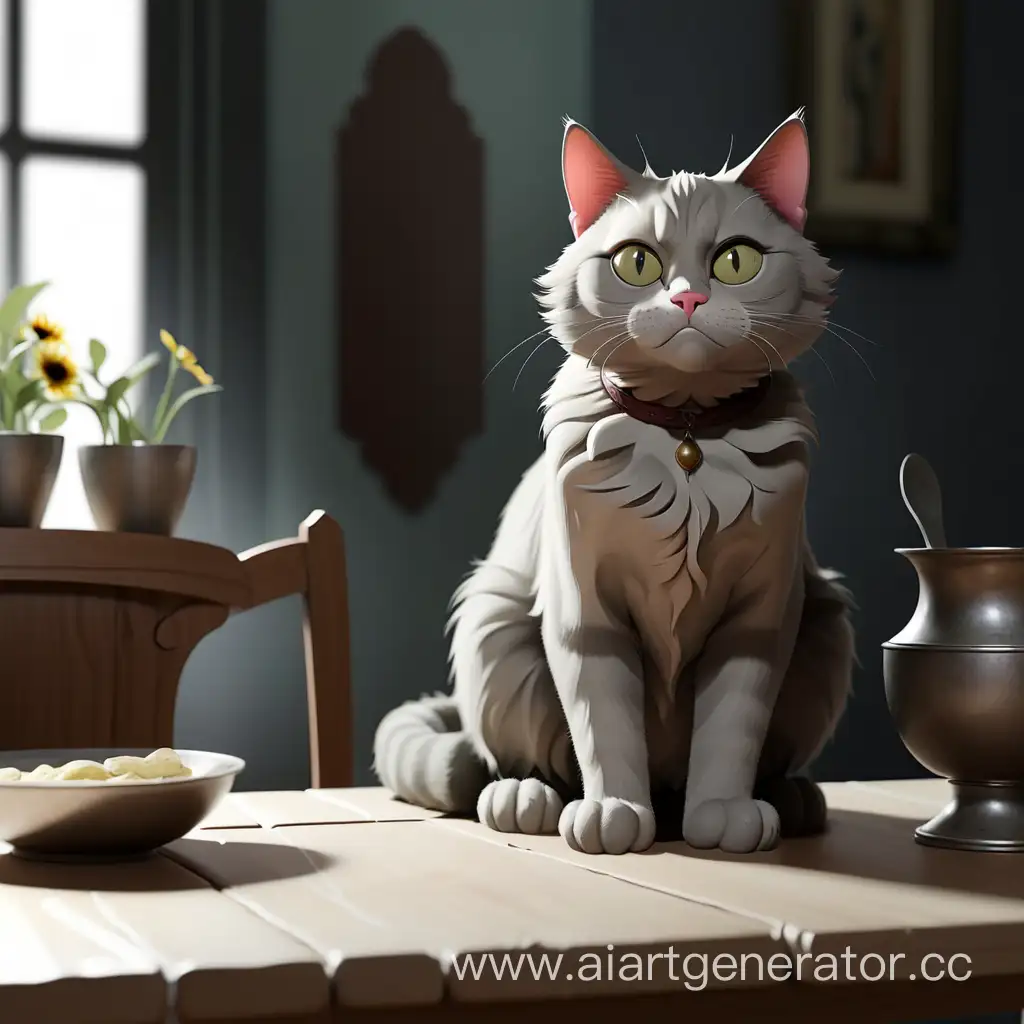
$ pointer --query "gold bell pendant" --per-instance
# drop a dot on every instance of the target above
(688, 454)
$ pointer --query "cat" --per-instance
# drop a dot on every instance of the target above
(650, 621)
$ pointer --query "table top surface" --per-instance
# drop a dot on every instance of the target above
(286, 903)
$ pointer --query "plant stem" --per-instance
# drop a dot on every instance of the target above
(90, 404)
(165, 398)
(126, 412)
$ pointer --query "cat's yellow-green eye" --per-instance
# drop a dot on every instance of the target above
(636, 264)
(737, 263)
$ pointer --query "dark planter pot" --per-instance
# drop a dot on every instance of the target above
(137, 488)
(28, 471)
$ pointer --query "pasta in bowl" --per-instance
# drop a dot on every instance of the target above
(161, 764)
(107, 803)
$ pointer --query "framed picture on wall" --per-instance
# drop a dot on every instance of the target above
(879, 80)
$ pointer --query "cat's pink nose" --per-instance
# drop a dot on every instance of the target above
(688, 301)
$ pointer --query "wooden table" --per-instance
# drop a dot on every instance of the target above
(347, 905)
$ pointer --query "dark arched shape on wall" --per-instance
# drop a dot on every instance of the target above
(410, 270)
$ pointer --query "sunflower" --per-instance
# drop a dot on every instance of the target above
(45, 329)
(57, 370)
(186, 357)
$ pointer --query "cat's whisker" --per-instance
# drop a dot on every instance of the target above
(853, 348)
(857, 353)
(826, 327)
(606, 322)
(824, 362)
(821, 321)
(516, 348)
(616, 340)
(813, 348)
(761, 337)
(519, 345)
(782, 361)
(626, 338)
(611, 321)
(749, 336)
(526, 361)
(604, 344)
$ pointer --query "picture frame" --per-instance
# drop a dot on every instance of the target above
(879, 81)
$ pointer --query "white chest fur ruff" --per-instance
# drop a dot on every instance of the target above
(635, 465)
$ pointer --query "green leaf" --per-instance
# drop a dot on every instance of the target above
(124, 428)
(15, 306)
(128, 431)
(97, 354)
(53, 420)
(104, 415)
(18, 351)
(14, 382)
(138, 370)
(116, 390)
(180, 403)
(31, 392)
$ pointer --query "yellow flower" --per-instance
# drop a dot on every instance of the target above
(186, 357)
(198, 372)
(57, 369)
(45, 329)
(169, 343)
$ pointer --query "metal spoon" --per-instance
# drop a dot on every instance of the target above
(923, 497)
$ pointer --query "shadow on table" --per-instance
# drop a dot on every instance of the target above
(184, 865)
(880, 847)
(865, 845)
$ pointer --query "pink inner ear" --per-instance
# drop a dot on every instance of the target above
(591, 179)
(780, 172)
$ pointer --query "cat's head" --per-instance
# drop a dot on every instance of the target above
(688, 276)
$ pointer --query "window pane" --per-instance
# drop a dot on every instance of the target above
(82, 230)
(84, 70)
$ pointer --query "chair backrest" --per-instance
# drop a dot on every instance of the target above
(313, 564)
(96, 627)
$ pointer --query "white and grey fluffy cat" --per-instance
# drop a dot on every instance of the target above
(640, 635)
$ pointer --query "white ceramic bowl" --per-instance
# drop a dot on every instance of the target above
(57, 820)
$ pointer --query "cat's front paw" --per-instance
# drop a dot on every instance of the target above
(525, 806)
(736, 826)
(607, 826)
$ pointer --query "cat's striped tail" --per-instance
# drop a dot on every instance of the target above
(422, 755)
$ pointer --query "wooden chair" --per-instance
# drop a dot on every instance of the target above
(313, 565)
(96, 627)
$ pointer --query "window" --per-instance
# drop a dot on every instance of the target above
(74, 180)
(131, 178)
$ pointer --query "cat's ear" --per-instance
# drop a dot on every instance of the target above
(592, 177)
(780, 169)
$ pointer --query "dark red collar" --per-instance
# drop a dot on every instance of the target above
(689, 416)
